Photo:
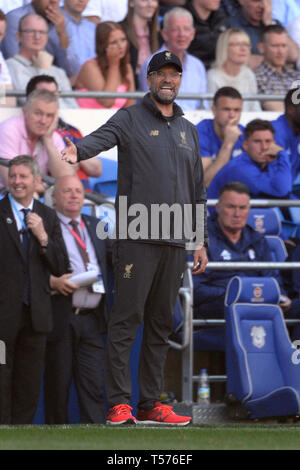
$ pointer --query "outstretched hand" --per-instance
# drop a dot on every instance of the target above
(69, 153)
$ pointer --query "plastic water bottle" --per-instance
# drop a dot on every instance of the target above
(203, 392)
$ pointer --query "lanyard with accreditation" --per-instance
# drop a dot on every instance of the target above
(98, 286)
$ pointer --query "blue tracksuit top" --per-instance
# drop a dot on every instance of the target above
(274, 181)
(286, 138)
(251, 247)
(210, 143)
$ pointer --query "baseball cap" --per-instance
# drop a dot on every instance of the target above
(163, 58)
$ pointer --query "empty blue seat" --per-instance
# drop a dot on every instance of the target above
(277, 248)
(265, 221)
(107, 182)
(263, 373)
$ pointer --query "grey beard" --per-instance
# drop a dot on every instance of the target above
(163, 100)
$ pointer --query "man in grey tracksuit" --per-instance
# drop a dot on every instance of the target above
(158, 163)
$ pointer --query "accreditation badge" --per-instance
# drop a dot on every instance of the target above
(98, 286)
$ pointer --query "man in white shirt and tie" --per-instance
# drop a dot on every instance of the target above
(76, 343)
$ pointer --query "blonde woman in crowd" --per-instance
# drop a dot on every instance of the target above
(110, 70)
(230, 67)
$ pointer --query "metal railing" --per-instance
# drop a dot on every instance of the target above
(187, 344)
(93, 198)
(139, 95)
(265, 202)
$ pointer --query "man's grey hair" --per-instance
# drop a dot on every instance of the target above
(43, 95)
(176, 12)
(28, 161)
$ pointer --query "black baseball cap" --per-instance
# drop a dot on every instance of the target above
(163, 58)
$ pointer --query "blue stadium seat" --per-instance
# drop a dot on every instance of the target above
(277, 248)
(295, 214)
(269, 221)
(296, 186)
(107, 182)
(272, 221)
(265, 221)
(263, 373)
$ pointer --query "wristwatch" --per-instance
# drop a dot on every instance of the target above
(45, 245)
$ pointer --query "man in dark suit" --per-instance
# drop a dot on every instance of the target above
(30, 249)
(75, 348)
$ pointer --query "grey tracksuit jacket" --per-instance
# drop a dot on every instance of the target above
(159, 163)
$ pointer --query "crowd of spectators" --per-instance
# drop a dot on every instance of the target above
(229, 48)
(246, 45)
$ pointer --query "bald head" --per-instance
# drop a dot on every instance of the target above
(68, 196)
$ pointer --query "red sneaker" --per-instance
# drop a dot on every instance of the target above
(162, 414)
(120, 414)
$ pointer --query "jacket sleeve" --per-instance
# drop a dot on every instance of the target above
(266, 256)
(279, 177)
(114, 132)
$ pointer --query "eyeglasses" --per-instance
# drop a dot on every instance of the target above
(34, 32)
(240, 44)
(163, 75)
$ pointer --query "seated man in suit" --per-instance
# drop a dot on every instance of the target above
(231, 239)
(31, 247)
(76, 343)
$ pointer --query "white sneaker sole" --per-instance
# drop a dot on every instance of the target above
(162, 423)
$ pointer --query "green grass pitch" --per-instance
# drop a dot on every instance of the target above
(250, 436)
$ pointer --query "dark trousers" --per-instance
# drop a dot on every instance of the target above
(78, 355)
(147, 280)
(211, 310)
(21, 376)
